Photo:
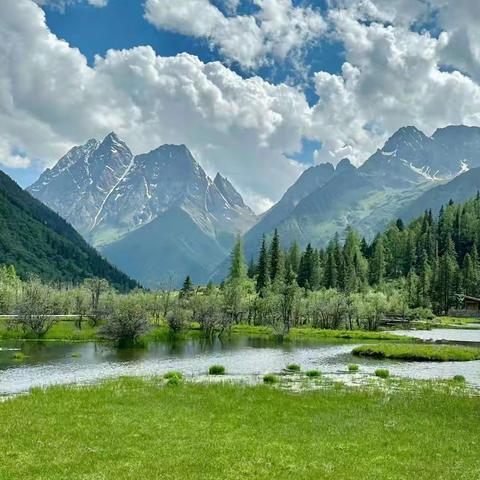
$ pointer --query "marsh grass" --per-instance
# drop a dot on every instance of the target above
(270, 378)
(173, 374)
(353, 367)
(293, 367)
(419, 352)
(131, 428)
(382, 373)
(313, 373)
(216, 370)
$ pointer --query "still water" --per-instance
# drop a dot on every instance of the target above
(50, 363)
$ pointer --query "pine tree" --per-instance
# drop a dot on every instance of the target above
(238, 269)
(377, 265)
(305, 269)
(263, 276)
(277, 262)
(252, 269)
(424, 280)
(446, 277)
(293, 257)
(187, 287)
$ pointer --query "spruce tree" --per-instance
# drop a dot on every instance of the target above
(377, 265)
(187, 287)
(305, 269)
(263, 276)
(238, 268)
(293, 257)
(277, 263)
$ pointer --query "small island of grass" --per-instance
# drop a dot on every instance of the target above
(419, 352)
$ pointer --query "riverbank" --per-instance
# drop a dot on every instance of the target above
(132, 428)
(66, 330)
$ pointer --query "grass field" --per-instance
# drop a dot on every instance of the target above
(132, 428)
(419, 352)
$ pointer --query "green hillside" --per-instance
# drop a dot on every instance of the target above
(36, 240)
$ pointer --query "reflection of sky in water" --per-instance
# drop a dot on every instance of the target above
(49, 363)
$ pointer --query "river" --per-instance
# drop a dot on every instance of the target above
(51, 363)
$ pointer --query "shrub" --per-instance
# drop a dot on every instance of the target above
(127, 322)
(382, 373)
(459, 378)
(34, 309)
(353, 367)
(216, 370)
(179, 319)
(293, 367)
(173, 374)
(270, 378)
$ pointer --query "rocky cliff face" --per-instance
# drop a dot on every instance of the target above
(108, 194)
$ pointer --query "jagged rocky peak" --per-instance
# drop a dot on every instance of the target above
(344, 165)
(228, 191)
(410, 137)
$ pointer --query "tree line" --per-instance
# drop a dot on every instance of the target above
(434, 259)
(408, 271)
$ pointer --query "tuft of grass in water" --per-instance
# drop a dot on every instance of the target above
(216, 370)
(142, 429)
(18, 356)
(419, 352)
(353, 367)
(293, 367)
(459, 378)
(382, 373)
(173, 374)
(313, 373)
(270, 378)
(76, 355)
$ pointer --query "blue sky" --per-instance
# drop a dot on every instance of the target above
(296, 82)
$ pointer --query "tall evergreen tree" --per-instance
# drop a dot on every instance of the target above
(277, 262)
(377, 267)
(238, 268)
(305, 269)
(263, 276)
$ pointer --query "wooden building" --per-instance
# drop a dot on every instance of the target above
(471, 307)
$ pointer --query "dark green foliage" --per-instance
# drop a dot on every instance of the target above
(382, 373)
(216, 370)
(353, 367)
(313, 373)
(263, 275)
(187, 287)
(293, 367)
(36, 240)
(433, 262)
(270, 378)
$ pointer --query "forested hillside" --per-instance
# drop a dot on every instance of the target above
(36, 240)
(434, 258)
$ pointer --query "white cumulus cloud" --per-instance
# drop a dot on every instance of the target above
(277, 30)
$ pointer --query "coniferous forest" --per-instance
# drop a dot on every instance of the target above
(434, 259)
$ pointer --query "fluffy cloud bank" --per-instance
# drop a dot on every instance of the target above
(277, 30)
(51, 99)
